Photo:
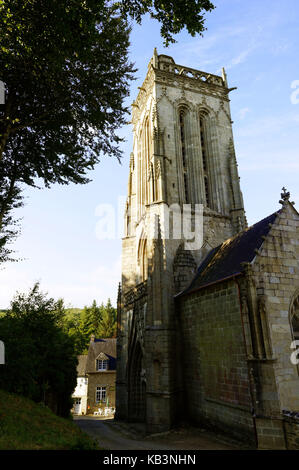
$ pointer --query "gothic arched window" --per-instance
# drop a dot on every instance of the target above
(204, 156)
(147, 155)
(143, 258)
(144, 154)
(182, 119)
(154, 185)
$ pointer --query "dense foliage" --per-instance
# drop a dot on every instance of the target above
(40, 359)
(99, 320)
(66, 72)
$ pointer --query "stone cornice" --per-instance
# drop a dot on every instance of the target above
(170, 78)
(188, 79)
(166, 69)
(203, 90)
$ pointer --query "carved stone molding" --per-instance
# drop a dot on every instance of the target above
(136, 293)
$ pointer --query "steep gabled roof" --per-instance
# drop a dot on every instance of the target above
(226, 260)
(106, 346)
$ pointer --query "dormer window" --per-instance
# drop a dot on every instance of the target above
(101, 364)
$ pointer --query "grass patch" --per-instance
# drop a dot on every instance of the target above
(25, 425)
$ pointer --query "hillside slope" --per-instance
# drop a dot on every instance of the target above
(28, 425)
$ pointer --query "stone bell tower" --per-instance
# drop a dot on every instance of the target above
(183, 157)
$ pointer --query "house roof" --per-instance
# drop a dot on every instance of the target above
(81, 367)
(106, 346)
(226, 260)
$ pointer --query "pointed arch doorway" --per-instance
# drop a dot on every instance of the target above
(137, 386)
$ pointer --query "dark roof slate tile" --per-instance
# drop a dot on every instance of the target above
(226, 260)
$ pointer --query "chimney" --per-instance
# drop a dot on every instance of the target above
(92, 338)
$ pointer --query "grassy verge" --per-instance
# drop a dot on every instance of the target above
(28, 425)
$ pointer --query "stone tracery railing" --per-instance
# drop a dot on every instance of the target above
(136, 293)
(167, 66)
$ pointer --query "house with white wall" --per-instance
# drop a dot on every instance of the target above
(81, 390)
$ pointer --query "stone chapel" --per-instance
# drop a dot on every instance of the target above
(205, 330)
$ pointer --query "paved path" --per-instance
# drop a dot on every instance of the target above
(114, 435)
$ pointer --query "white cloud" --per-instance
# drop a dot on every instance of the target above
(243, 112)
(205, 50)
(269, 125)
(243, 54)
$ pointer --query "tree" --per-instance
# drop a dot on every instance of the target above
(40, 357)
(66, 76)
(98, 320)
(108, 325)
(173, 15)
(71, 325)
(90, 321)
(66, 72)
(10, 199)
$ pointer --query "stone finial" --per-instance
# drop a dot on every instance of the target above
(155, 58)
(224, 77)
(119, 293)
(285, 197)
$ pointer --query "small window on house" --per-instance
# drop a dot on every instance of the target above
(100, 394)
(101, 364)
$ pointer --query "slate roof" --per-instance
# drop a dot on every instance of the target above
(106, 346)
(226, 260)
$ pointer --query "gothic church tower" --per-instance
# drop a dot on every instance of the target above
(183, 154)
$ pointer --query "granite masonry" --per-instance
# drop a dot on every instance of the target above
(208, 308)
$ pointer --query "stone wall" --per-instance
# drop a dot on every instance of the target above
(276, 270)
(156, 183)
(100, 379)
(215, 372)
(163, 403)
(291, 426)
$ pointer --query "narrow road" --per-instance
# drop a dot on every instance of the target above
(112, 436)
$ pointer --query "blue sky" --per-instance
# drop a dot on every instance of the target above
(257, 43)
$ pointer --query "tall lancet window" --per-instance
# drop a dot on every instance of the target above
(154, 185)
(182, 116)
(204, 155)
(147, 159)
(143, 259)
(145, 163)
